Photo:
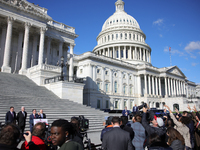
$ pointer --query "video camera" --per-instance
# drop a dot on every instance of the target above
(143, 105)
(84, 123)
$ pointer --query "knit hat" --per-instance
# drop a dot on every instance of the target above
(159, 121)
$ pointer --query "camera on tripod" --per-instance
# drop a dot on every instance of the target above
(84, 123)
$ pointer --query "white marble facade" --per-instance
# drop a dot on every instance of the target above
(119, 71)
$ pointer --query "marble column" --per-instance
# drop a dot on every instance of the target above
(103, 78)
(19, 50)
(60, 50)
(140, 53)
(156, 85)
(94, 76)
(114, 54)
(172, 88)
(153, 86)
(119, 52)
(145, 85)
(139, 86)
(108, 51)
(7, 50)
(166, 94)
(124, 52)
(111, 81)
(34, 53)
(71, 61)
(149, 57)
(149, 84)
(48, 50)
(143, 54)
(41, 48)
(3, 37)
(169, 90)
(23, 69)
(160, 93)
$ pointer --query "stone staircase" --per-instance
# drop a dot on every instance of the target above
(18, 90)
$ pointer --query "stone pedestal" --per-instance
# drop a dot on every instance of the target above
(67, 90)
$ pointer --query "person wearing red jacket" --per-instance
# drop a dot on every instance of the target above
(38, 134)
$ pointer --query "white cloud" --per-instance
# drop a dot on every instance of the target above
(161, 35)
(193, 46)
(158, 22)
(193, 56)
(174, 51)
(194, 64)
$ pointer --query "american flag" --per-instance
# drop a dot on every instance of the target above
(169, 48)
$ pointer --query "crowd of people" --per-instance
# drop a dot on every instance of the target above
(146, 130)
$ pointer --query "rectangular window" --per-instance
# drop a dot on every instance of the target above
(116, 104)
(98, 86)
(81, 71)
(98, 104)
(107, 104)
(106, 87)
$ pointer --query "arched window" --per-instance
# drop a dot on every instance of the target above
(175, 106)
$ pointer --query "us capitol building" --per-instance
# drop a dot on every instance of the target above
(117, 72)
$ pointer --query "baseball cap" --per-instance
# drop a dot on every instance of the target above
(159, 121)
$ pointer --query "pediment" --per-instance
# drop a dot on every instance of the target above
(26, 6)
(176, 71)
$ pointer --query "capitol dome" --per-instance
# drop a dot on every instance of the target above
(121, 38)
(120, 18)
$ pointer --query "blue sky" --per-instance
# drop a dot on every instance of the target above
(174, 23)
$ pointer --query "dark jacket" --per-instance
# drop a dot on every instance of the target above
(21, 119)
(128, 129)
(10, 118)
(159, 146)
(108, 128)
(117, 139)
(161, 131)
(177, 145)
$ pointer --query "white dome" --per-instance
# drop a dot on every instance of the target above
(120, 18)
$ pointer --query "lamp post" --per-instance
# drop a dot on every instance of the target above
(62, 65)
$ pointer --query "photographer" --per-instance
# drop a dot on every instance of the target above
(77, 136)
(156, 125)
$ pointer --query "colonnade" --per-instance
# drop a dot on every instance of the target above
(126, 52)
(22, 56)
(170, 86)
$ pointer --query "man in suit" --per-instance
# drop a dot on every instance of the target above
(31, 119)
(135, 109)
(10, 116)
(21, 119)
(125, 112)
(41, 114)
(116, 138)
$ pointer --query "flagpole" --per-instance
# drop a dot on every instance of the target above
(170, 56)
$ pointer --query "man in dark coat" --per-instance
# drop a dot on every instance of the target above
(31, 119)
(10, 116)
(21, 119)
(116, 138)
(135, 109)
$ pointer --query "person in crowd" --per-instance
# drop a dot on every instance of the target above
(21, 119)
(38, 135)
(175, 139)
(124, 126)
(155, 143)
(140, 135)
(156, 126)
(77, 136)
(10, 116)
(196, 119)
(108, 127)
(125, 112)
(182, 128)
(135, 109)
(61, 132)
(10, 138)
(41, 114)
(32, 117)
(116, 138)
